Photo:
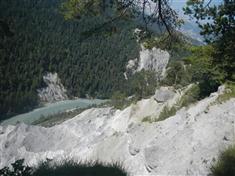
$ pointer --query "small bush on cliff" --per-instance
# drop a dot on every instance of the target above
(225, 166)
(167, 112)
(73, 169)
(119, 100)
(191, 96)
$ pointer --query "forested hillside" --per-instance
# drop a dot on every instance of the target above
(87, 63)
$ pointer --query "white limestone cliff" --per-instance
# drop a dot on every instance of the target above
(150, 60)
(54, 90)
(184, 144)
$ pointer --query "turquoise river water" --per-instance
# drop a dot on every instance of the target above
(50, 109)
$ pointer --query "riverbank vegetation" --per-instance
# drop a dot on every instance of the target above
(57, 118)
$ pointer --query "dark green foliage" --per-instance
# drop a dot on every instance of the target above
(225, 166)
(73, 169)
(18, 169)
(87, 62)
(177, 45)
(64, 169)
(224, 55)
(196, 68)
(5, 31)
(219, 30)
(166, 112)
(142, 84)
(191, 96)
(202, 70)
(118, 100)
(177, 75)
(208, 85)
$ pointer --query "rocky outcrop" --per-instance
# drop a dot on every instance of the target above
(153, 59)
(150, 59)
(54, 90)
(164, 94)
(184, 144)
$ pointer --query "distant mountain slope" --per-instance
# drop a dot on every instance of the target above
(191, 30)
(45, 42)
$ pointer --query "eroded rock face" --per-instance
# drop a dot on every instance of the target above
(150, 60)
(184, 144)
(153, 59)
(54, 91)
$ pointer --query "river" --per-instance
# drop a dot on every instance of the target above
(51, 109)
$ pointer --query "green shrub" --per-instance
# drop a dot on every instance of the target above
(65, 169)
(203, 71)
(143, 84)
(74, 169)
(196, 68)
(167, 112)
(119, 100)
(148, 119)
(191, 96)
(207, 85)
(225, 166)
(178, 75)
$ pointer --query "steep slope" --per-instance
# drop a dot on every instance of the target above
(87, 62)
(184, 144)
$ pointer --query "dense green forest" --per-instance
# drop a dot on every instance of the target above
(87, 63)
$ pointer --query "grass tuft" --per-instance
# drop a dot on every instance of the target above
(167, 112)
(225, 165)
(148, 119)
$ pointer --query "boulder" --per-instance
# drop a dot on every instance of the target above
(163, 94)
